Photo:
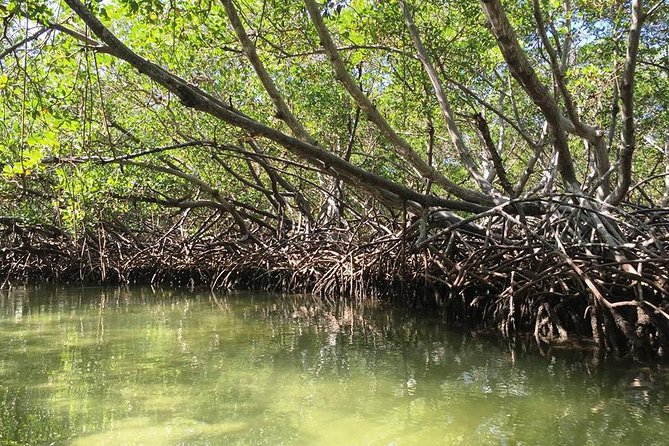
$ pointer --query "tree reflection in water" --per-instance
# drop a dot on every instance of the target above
(95, 366)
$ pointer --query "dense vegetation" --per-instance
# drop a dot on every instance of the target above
(506, 162)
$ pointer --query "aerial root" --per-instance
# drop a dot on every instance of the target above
(571, 272)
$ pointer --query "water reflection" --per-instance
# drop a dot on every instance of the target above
(93, 366)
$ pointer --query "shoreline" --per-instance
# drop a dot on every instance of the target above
(514, 290)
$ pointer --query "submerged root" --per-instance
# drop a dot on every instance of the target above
(572, 270)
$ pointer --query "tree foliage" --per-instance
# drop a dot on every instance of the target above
(542, 77)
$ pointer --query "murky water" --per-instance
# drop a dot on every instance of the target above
(130, 367)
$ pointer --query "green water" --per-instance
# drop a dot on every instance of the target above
(123, 367)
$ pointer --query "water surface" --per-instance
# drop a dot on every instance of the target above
(88, 366)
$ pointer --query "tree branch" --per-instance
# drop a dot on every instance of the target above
(282, 110)
(593, 135)
(442, 99)
(22, 42)
(522, 71)
(195, 98)
(403, 148)
(484, 130)
(627, 104)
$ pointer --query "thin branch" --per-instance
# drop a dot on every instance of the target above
(493, 109)
(522, 70)
(653, 9)
(90, 44)
(484, 130)
(656, 65)
(453, 129)
(19, 44)
(403, 148)
(196, 181)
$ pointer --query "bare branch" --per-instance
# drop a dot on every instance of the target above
(196, 181)
(627, 104)
(403, 148)
(442, 99)
(497, 162)
(524, 73)
(22, 42)
(91, 44)
(495, 110)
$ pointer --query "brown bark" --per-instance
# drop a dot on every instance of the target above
(497, 162)
(627, 104)
(521, 69)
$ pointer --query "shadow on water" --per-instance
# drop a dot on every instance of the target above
(141, 366)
